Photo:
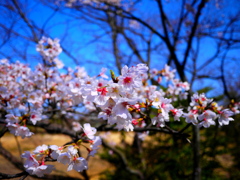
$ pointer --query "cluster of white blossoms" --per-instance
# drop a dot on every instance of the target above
(29, 97)
(204, 112)
(50, 49)
(35, 162)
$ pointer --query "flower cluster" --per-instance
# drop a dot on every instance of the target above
(132, 99)
(35, 167)
(204, 112)
(50, 49)
(26, 92)
(176, 89)
(35, 163)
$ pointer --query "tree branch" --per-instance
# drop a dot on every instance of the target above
(193, 30)
(123, 160)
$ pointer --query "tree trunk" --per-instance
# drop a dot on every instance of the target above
(196, 154)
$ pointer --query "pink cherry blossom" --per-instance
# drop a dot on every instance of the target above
(224, 117)
(79, 164)
(89, 131)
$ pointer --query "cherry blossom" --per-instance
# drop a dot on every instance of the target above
(177, 113)
(30, 160)
(130, 100)
(89, 131)
(76, 126)
(167, 73)
(64, 158)
(96, 142)
(41, 149)
(191, 117)
(79, 164)
(224, 117)
(40, 170)
(18, 130)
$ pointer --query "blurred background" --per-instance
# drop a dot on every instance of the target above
(198, 38)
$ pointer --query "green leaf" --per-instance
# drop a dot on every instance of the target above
(205, 90)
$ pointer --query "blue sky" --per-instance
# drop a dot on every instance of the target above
(80, 36)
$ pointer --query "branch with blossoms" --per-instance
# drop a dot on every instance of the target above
(18, 164)
(44, 97)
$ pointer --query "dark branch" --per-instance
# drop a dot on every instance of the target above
(193, 30)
